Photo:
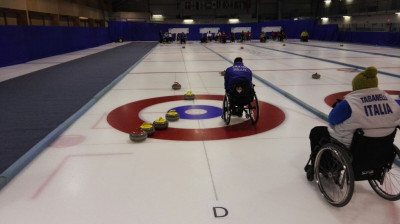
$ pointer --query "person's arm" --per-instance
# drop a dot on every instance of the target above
(226, 78)
(249, 76)
(340, 113)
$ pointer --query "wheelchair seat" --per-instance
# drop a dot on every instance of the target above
(244, 96)
(336, 168)
(241, 98)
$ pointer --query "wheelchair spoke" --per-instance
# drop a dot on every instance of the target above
(391, 184)
(254, 110)
(333, 176)
(226, 113)
(390, 188)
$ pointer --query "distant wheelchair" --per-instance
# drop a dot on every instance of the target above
(373, 159)
(242, 99)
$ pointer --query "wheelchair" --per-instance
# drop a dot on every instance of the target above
(336, 168)
(235, 103)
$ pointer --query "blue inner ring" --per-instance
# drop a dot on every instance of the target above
(211, 112)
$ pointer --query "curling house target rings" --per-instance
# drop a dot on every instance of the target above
(126, 119)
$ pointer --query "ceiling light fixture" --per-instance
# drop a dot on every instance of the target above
(233, 20)
(188, 20)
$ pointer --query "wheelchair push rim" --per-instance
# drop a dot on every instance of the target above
(226, 113)
(254, 110)
(389, 188)
(334, 175)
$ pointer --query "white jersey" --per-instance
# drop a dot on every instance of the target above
(373, 110)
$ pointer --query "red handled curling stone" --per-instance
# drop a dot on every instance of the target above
(176, 86)
(138, 135)
(316, 76)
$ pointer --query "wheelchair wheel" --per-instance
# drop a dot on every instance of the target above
(226, 110)
(389, 188)
(254, 110)
(334, 175)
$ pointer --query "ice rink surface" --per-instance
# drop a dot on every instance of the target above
(94, 174)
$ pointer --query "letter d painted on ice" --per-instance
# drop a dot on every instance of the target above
(220, 212)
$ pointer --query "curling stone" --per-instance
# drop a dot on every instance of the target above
(138, 135)
(172, 115)
(222, 73)
(341, 45)
(242, 47)
(160, 124)
(316, 76)
(148, 128)
(283, 44)
(176, 86)
(188, 96)
(183, 47)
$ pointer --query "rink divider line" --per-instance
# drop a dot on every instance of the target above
(325, 60)
(341, 49)
(251, 59)
(262, 70)
(318, 113)
(151, 61)
(32, 153)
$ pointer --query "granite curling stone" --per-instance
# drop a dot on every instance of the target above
(160, 124)
(316, 76)
(148, 128)
(188, 96)
(176, 86)
(172, 115)
(138, 135)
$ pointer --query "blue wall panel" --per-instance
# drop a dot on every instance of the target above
(332, 33)
(12, 45)
(19, 44)
(149, 32)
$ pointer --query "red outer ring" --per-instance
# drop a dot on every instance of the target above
(126, 119)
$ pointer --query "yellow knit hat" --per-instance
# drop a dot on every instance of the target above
(366, 79)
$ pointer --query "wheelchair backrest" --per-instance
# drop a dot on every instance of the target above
(244, 97)
(371, 155)
(247, 88)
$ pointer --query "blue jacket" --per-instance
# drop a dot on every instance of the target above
(234, 74)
